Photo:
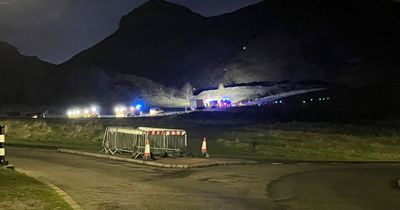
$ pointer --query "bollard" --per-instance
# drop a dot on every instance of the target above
(2, 148)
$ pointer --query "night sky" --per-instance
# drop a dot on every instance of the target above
(56, 30)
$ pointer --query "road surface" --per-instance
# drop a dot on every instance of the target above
(104, 184)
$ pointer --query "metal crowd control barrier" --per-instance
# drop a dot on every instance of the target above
(132, 140)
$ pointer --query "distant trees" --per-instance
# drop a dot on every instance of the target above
(187, 90)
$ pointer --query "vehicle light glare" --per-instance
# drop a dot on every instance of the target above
(88, 112)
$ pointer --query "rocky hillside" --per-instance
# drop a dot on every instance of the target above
(349, 42)
(24, 79)
(333, 41)
(166, 43)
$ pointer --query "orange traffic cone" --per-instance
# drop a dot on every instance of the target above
(204, 148)
(147, 155)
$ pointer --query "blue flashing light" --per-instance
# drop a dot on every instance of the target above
(139, 104)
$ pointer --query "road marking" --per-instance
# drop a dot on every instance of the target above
(276, 163)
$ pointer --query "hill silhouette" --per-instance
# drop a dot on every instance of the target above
(24, 79)
(351, 43)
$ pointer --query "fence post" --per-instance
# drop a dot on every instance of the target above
(2, 146)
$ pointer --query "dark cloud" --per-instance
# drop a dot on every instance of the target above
(55, 30)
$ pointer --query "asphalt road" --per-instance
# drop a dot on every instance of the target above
(104, 184)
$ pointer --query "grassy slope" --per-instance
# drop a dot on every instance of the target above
(314, 141)
(301, 141)
(80, 134)
(19, 191)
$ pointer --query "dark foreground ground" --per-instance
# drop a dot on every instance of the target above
(103, 184)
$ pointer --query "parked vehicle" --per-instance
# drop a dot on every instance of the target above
(156, 111)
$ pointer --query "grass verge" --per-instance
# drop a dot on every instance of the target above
(312, 141)
(19, 191)
(358, 141)
(54, 133)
